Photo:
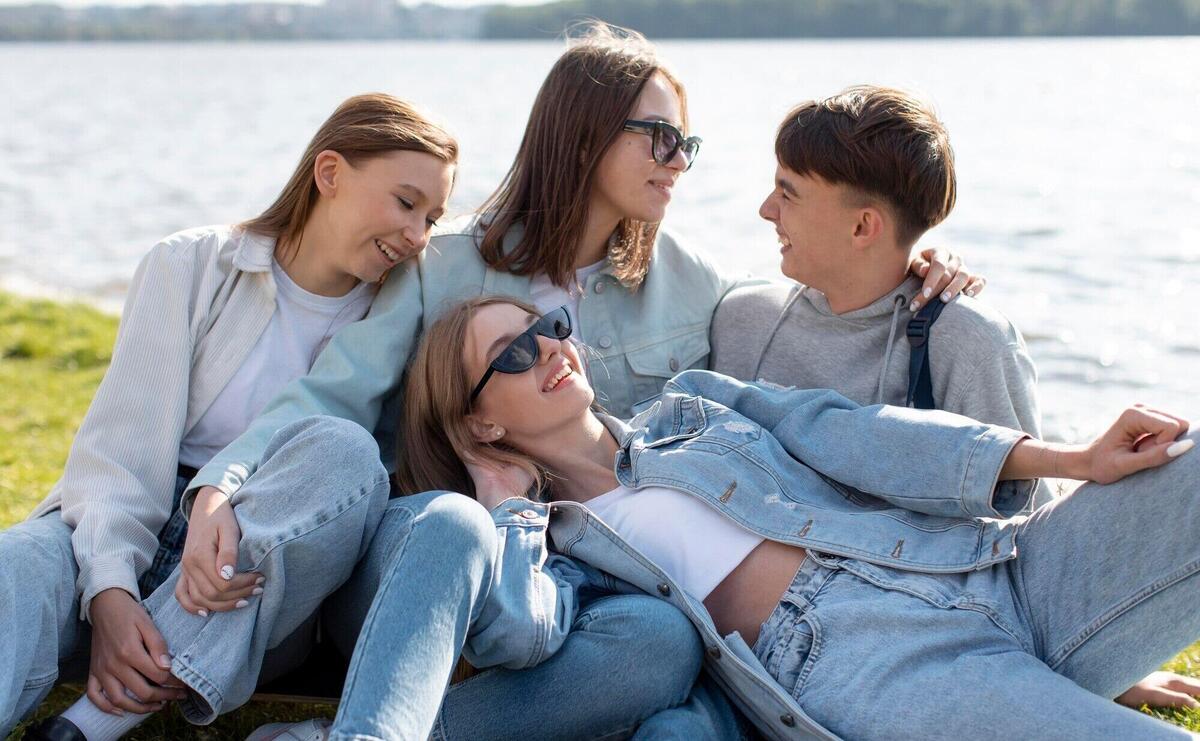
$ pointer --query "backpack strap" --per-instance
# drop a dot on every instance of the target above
(920, 383)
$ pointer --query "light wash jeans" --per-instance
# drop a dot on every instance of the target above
(1104, 589)
(306, 518)
(627, 657)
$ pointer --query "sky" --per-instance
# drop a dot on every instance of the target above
(81, 3)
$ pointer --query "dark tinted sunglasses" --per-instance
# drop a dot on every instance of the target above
(522, 353)
(667, 141)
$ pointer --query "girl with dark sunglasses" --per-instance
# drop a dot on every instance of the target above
(838, 591)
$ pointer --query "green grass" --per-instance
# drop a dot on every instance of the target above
(52, 356)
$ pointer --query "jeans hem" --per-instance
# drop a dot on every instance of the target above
(202, 705)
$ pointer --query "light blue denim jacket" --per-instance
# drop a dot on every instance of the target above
(805, 467)
(637, 338)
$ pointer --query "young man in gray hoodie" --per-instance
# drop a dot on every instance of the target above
(859, 178)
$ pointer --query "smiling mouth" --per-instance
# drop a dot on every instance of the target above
(783, 240)
(387, 251)
(553, 381)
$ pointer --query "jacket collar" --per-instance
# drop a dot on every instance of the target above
(254, 252)
(671, 417)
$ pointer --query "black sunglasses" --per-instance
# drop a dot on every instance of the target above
(667, 141)
(522, 353)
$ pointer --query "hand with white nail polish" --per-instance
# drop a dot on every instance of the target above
(1141, 438)
(208, 580)
(945, 276)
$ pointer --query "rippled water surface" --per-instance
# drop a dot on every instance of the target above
(1078, 161)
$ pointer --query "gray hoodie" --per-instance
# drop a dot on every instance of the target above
(786, 333)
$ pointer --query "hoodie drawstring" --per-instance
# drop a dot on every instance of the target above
(897, 303)
(787, 307)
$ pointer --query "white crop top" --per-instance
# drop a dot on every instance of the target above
(693, 543)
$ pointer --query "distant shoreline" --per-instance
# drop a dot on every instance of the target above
(388, 20)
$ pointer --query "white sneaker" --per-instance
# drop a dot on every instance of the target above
(315, 729)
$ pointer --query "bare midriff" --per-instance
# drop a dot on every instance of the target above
(746, 598)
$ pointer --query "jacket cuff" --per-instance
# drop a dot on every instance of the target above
(521, 512)
(99, 574)
(228, 481)
(982, 492)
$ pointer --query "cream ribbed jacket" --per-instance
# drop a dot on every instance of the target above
(198, 303)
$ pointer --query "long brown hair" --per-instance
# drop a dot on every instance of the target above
(577, 115)
(434, 434)
(362, 127)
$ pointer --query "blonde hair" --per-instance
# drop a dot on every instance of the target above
(434, 432)
(579, 112)
(362, 127)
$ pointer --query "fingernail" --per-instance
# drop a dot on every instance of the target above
(260, 580)
(240, 603)
(257, 591)
(927, 292)
(945, 297)
(119, 712)
(226, 572)
(164, 661)
(1179, 448)
(913, 306)
(202, 612)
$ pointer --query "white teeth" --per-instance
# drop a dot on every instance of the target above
(557, 378)
(387, 251)
(784, 241)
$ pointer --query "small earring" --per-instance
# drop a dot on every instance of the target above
(499, 432)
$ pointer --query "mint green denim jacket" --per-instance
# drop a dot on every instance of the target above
(637, 339)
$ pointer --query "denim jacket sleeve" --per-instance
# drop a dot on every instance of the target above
(882, 450)
(350, 379)
(533, 596)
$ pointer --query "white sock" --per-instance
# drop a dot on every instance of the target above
(98, 725)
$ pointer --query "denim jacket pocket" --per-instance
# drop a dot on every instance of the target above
(652, 365)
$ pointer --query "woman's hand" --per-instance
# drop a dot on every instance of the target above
(1141, 438)
(945, 277)
(208, 578)
(494, 483)
(129, 656)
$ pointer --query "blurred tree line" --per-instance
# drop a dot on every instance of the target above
(852, 18)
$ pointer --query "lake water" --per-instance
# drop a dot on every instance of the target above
(1078, 162)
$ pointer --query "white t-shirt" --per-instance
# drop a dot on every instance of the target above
(692, 542)
(547, 297)
(299, 329)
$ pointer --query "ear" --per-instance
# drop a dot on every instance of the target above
(870, 226)
(484, 430)
(326, 171)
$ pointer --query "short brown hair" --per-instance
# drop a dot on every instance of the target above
(362, 127)
(577, 115)
(880, 141)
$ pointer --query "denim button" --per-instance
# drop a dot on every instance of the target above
(674, 365)
(605, 342)
(664, 589)
(714, 652)
(599, 286)
(788, 720)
